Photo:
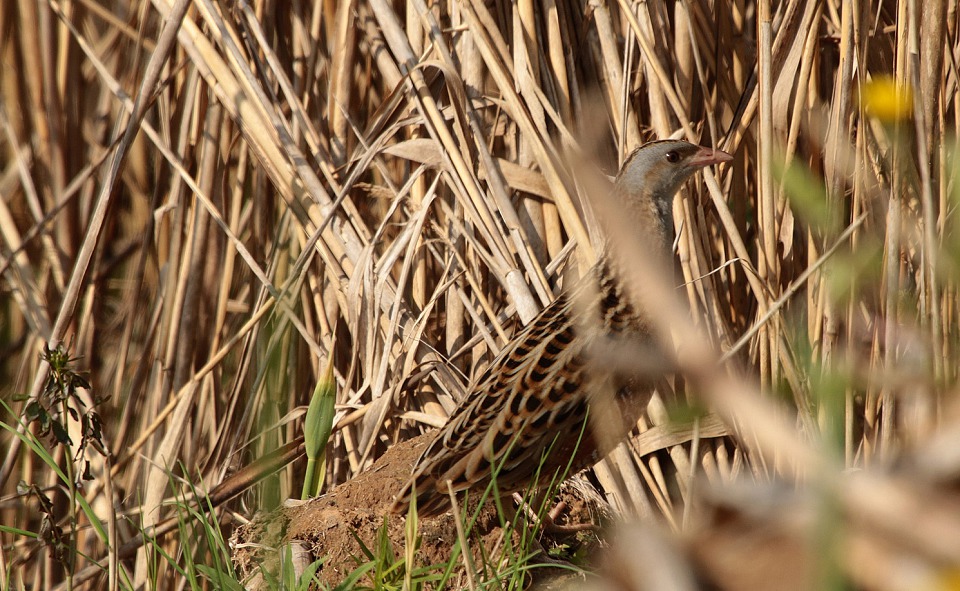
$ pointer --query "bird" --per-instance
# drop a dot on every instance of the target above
(525, 418)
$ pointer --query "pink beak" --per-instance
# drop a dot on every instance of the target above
(709, 156)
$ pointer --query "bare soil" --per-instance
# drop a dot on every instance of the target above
(329, 526)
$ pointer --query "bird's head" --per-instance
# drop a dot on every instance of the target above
(652, 175)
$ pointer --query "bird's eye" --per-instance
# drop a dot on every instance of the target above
(673, 157)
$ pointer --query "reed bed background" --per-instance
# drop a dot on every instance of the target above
(205, 202)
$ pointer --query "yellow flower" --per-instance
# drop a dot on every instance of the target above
(886, 100)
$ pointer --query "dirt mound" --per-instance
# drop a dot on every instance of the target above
(329, 526)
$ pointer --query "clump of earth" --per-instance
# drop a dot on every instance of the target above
(333, 526)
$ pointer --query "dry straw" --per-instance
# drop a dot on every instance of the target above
(407, 180)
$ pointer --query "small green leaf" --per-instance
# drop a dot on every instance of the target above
(351, 581)
(317, 426)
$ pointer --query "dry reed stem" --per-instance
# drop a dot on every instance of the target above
(408, 185)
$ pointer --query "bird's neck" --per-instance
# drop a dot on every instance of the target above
(643, 222)
(644, 230)
(665, 228)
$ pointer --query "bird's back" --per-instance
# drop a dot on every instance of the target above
(533, 399)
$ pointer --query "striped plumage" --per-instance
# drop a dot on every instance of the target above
(534, 397)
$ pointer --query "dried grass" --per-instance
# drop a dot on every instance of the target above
(405, 180)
